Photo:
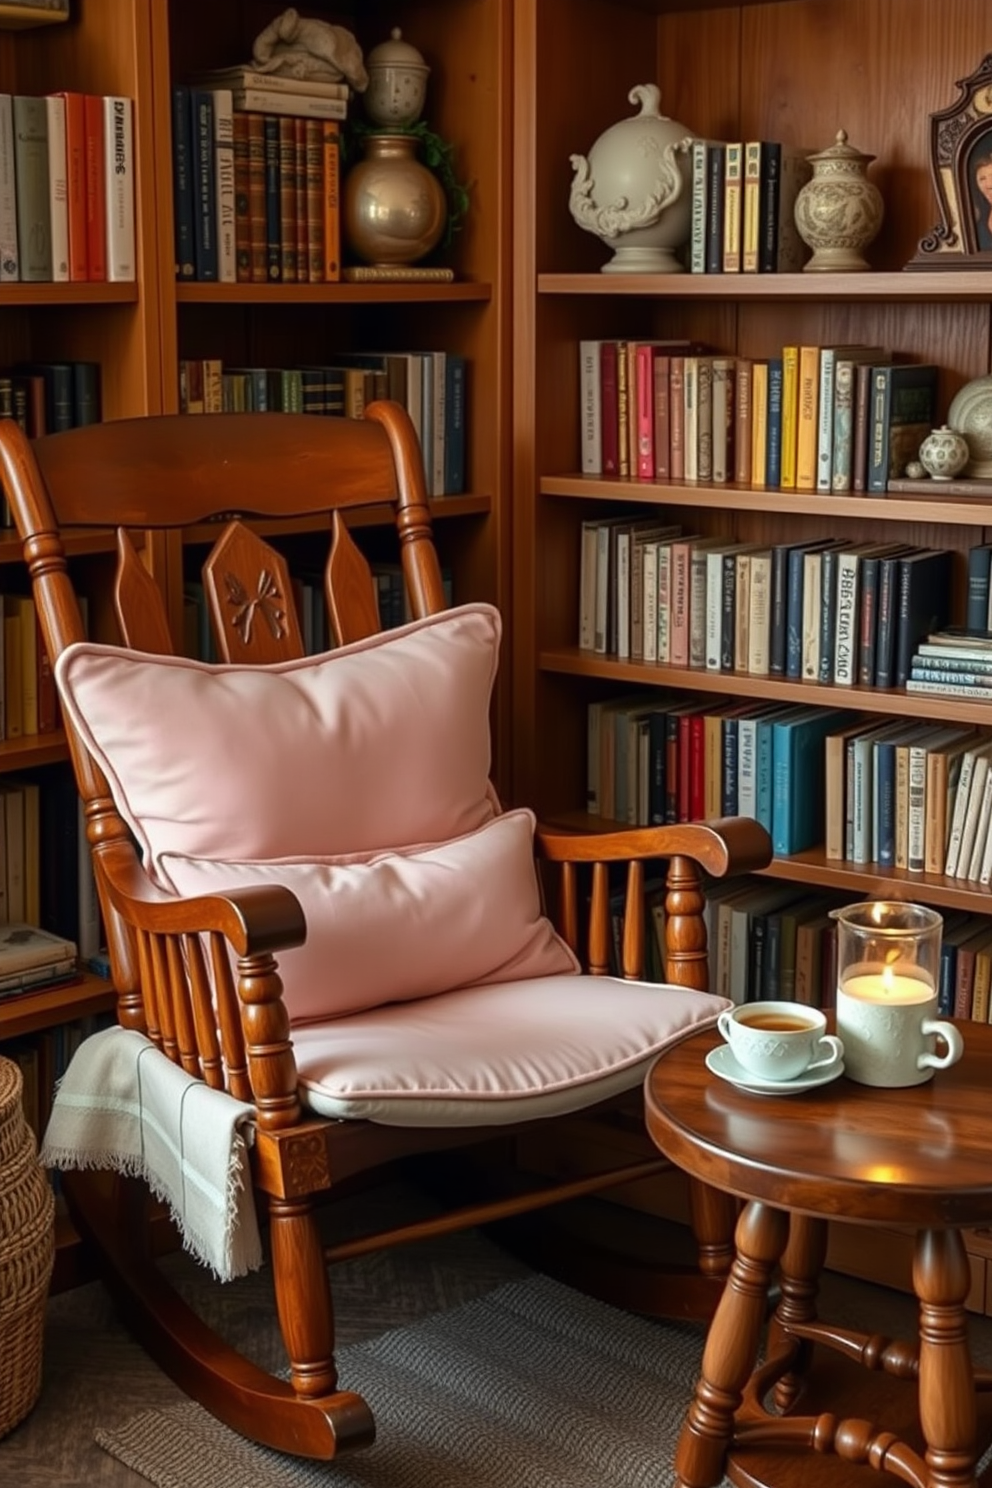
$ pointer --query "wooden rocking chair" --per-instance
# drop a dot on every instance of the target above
(197, 969)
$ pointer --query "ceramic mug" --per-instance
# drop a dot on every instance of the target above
(779, 1040)
(891, 1043)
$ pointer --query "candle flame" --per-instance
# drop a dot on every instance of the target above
(888, 977)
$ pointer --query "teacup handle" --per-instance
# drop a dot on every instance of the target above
(724, 1023)
(951, 1037)
(832, 1042)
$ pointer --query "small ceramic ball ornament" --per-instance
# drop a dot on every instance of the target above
(944, 453)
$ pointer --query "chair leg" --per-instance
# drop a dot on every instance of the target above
(303, 1296)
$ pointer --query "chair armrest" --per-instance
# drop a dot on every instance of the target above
(724, 847)
(729, 845)
(171, 960)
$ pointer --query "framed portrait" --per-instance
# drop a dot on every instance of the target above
(961, 172)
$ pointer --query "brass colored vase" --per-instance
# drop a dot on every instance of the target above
(394, 207)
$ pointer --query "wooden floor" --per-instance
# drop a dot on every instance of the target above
(96, 1375)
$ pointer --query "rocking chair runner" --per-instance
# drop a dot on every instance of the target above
(200, 973)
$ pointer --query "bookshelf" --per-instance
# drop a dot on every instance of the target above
(138, 331)
(793, 70)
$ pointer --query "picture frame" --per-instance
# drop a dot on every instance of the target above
(961, 174)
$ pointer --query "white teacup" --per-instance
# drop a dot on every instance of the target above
(891, 1040)
(779, 1040)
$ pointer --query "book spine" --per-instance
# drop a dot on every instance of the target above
(807, 418)
(257, 214)
(759, 616)
(96, 189)
(759, 423)
(58, 186)
(846, 636)
(828, 613)
(298, 106)
(644, 411)
(332, 202)
(203, 183)
(9, 257)
(664, 602)
(690, 433)
(224, 187)
(746, 784)
(729, 759)
(704, 419)
(299, 179)
(977, 605)
(862, 420)
(697, 242)
(794, 614)
(454, 424)
(742, 613)
(273, 201)
(917, 806)
(248, 77)
(242, 199)
(868, 621)
(771, 167)
(842, 448)
(75, 153)
(885, 622)
(182, 184)
(728, 611)
(779, 600)
(751, 228)
(662, 421)
(676, 417)
(825, 420)
(884, 833)
(921, 673)
(790, 412)
(287, 201)
(723, 419)
(118, 137)
(715, 157)
(742, 422)
(623, 410)
(733, 191)
(608, 359)
(881, 403)
(812, 581)
(977, 692)
(34, 221)
(589, 408)
(698, 607)
(773, 441)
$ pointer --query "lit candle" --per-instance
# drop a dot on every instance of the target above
(887, 987)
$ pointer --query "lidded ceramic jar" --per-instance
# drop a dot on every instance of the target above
(397, 83)
(944, 453)
(634, 189)
(839, 211)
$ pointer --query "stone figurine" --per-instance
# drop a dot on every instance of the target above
(296, 47)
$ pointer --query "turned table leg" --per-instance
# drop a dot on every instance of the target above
(731, 1347)
(802, 1262)
(948, 1413)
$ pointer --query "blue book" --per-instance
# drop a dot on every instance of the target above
(454, 424)
(204, 191)
(182, 185)
(773, 436)
(763, 765)
(979, 569)
(798, 776)
(901, 413)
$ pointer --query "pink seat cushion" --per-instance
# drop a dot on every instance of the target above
(396, 926)
(495, 1054)
(381, 744)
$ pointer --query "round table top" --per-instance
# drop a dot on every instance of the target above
(920, 1156)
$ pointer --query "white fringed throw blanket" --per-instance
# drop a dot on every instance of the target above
(121, 1104)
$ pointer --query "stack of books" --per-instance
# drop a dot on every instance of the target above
(255, 175)
(953, 663)
(66, 188)
(31, 959)
(743, 207)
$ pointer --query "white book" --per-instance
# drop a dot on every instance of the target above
(649, 601)
(58, 186)
(985, 867)
(623, 594)
(9, 257)
(747, 779)
(714, 606)
(590, 409)
(976, 795)
(118, 146)
(975, 691)
(742, 609)
(602, 627)
(960, 807)
(252, 77)
(664, 603)
(698, 599)
(227, 265)
(587, 586)
(810, 633)
(299, 105)
(759, 619)
(981, 830)
(415, 394)
(697, 241)
(690, 399)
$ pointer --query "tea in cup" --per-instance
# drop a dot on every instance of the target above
(779, 1040)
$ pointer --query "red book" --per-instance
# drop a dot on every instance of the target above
(75, 159)
(697, 767)
(96, 189)
(644, 411)
(662, 434)
(609, 408)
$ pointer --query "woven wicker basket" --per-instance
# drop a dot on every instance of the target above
(27, 1254)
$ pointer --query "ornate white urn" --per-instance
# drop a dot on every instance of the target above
(633, 190)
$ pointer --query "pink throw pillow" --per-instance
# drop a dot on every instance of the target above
(399, 926)
(380, 744)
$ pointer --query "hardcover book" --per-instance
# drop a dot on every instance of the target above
(903, 411)
(34, 217)
(118, 145)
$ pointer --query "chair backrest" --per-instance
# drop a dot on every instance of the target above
(163, 478)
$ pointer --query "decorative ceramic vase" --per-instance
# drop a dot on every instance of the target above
(839, 211)
(944, 453)
(633, 190)
(397, 83)
(394, 208)
(971, 414)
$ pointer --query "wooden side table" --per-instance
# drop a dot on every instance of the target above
(832, 1406)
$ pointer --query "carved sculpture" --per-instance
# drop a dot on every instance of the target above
(294, 46)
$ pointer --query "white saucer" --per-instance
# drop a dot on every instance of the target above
(721, 1062)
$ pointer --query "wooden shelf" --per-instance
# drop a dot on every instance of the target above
(30, 1012)
(912, 286)
(460, 292)
(32, 749)
(68, 294)
(570, 661)
(929, 507)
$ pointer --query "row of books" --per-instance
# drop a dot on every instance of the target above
(66, 188)
(29, 702)
(43, 1058)
(743, 207)
(49, 397)
(655, 758)
(430, 385)
(255, 194)
(822, 610)
(771, 941)
(905, 794)
(956, 662)
(812, 418)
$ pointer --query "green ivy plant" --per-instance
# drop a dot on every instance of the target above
(436, 153)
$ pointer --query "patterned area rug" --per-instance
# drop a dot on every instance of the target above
(531, 1385)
